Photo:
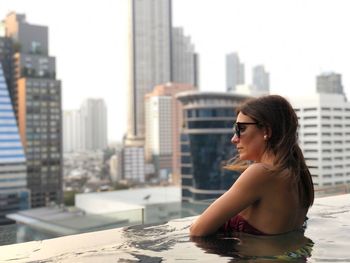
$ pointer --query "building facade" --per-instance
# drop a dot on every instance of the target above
(36, 97)
(234, 72)
(206, 144)
(94, 119)
(261, 80)
(324, 135)
(329, 82)
(14, 194)
(184, 59)
(74, 135)
(163, 126)
(150, 58)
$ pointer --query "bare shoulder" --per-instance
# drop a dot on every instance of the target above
(258, 171)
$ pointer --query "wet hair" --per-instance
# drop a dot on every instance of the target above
(276, 114)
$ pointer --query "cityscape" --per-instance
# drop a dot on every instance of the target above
(62, 172)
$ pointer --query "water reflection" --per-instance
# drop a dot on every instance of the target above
(290, 247)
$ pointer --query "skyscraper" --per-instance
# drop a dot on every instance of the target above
(234, 72)
(74, 135)
(94, 118)
(184, 59)
(36, 96)
(14, 194)
(261, 80)
(150, 58)
(329, 82)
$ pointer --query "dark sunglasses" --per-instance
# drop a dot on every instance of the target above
(237, 126)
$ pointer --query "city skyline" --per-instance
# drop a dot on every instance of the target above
(293, 40)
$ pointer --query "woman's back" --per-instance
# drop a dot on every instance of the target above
(279, 210)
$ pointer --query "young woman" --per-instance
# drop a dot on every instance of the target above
(274, 192)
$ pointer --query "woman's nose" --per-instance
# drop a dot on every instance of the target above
(234, 139)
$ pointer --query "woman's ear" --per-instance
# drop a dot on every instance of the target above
(268, 132)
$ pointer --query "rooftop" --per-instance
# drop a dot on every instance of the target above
(325, 239)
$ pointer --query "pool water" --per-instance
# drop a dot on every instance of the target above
(326, 239)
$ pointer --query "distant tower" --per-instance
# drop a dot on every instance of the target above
(261, 81)
(94, 114)
(36, 95)
(234, 72)
(329, 82)
(150, 59)
(184, 59)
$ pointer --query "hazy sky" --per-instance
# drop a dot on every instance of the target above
(295, 40)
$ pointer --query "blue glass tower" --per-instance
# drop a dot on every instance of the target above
(206, 144)
(13, 180)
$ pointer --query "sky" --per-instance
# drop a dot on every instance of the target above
(295, 40)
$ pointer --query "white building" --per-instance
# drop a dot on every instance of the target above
(324, 136)
(134, 163)
(94, 114)
(74, 137)
(159, 133)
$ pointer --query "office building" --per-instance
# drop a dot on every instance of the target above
(261, 80)
(329, 82)
(206, 143)
(74, 135)
(14, 194)
(94, 118)
(36, 95)
(150, 58)
(324, 136)
(158, 54)
(163, 125)
(133, 160)
(234, 72)
(184, 59)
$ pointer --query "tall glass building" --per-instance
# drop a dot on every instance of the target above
(13, 182)
(36, 98)
(206, 144)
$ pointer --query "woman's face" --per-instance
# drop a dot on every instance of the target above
(251, 142)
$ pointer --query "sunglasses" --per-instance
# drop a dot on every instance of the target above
(237, 127)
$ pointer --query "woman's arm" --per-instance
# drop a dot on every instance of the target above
(245, 191)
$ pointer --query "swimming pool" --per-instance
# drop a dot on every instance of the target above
(326, 239)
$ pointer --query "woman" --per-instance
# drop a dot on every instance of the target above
(273, 194)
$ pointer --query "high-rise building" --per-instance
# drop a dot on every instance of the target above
(261, 80)
(74, 135)
(206, 143)
(14, 194)
(36, 97)
(158, 54)
(324, 135)
(150, 58)
(184, 59)
(234, 72)
(163, 126)
(329, 82)
(94, 114)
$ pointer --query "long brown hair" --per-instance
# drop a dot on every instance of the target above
(277, 115)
